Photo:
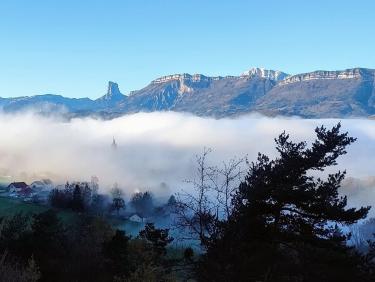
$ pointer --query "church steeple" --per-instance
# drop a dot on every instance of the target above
(114, 145)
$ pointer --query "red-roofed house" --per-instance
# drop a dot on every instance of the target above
(20, 188)
(17, 187)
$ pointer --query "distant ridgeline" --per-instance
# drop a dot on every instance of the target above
(318, 94)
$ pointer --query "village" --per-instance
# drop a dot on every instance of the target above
(139, 209)
(37, 192)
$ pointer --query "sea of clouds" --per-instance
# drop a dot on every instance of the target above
(156, 151)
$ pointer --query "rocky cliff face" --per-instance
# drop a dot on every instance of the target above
(113, 94)
(328, 94)
(264, 73)
(185, 77)
(346, 93)
(335, 94)
(356, 73)
(201, 95)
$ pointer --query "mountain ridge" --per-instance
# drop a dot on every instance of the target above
(343, 93)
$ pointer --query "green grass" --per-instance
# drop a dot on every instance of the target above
(9, 207)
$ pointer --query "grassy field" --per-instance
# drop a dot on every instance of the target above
(9, 207)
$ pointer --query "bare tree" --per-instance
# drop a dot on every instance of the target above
(210, 201)
(225, 181)
(195, 212)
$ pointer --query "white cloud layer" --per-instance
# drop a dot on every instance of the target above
(160, 147)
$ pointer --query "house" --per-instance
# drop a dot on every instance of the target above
(19, 189)
(136, 218)
(16, 187)
(40, 185)
(25, 193)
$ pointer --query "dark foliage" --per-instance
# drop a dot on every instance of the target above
(46, 242)
(118, 201)
(188, 253)
(284, 221)
(86, 238)
(143, 203)
(43, 248)
(78, 197)
(159, 238)
(116, 253)
(172, 201)
(11, 270)
(98, 204)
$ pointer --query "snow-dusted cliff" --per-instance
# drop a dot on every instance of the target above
(324, 75)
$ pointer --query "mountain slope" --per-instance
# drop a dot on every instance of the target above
(319, 94)
(51, 103)
(46, 103)
(202, 95)
(348, 93)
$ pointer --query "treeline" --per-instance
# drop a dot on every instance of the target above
(81, 197)
(76, 196)
(44, 248)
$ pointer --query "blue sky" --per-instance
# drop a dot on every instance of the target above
(73, 48)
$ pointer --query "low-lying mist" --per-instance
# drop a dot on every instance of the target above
(156, 151)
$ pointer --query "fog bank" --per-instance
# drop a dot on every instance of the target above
(155, 148)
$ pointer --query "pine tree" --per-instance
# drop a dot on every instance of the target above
(77, 200)
(284, 224)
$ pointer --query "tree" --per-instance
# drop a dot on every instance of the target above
(77, 196)
(87, 195)
(118, 202)
(14, 271)
(87, 236)
(143, 203)
(284, 224)
(171, 201)
(146, 256)
(12, 229)
(47, 242)
(98, 204)
(159, 238)
(213, 189)
(188, 254)
(68, 193)
(57, 198)
(116, 253)
(196, 212)
(225, 182)
(77, 203)
(145, 264)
